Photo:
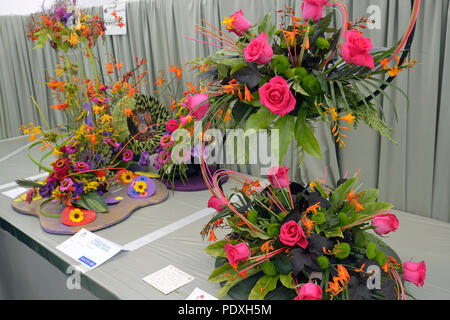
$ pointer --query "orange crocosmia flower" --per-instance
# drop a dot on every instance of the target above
(109, 68)
(114, 14)
(212, 236)
(248, 95)
(358, 207)
(61, 106)
(119, 66)
(128, 112)
(350, 118)
(385, 63)
(176, 70)
(159, 81)
(132, 92)
(73, 40)
(394, 71)
(313, 208)
(121, 24)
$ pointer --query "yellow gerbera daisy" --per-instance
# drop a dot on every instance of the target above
(76, 215)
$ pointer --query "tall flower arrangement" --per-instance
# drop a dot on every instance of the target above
(90, 157)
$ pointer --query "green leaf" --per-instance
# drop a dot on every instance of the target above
(93, 201)
(262, 119)
(217, 249)
(222, 273)
(370, 195)
(234, 280)
(263, 286)
(285, 125)
(267, 26)
(305, 137)
(43, 38)
(286, 280)
(238, 67)
(297, 87)
(337, 232)
(339, 194)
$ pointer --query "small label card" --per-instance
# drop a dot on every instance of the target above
(89, 249)
(168, 279)
(199, 294)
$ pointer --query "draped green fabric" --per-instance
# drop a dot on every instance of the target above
(412, 174)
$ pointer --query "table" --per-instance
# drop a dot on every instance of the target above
(121, 278)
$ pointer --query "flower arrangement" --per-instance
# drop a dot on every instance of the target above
(287, 77)
(180, 137)
(289, 241)
(91, 155)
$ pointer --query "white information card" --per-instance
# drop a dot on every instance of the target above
(89, 249)
(199, 294)
(168, 279)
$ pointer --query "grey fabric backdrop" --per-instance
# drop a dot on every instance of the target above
(412, 174)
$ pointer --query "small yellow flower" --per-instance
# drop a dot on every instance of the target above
(76, 215)
(140, 186)
(74, 39)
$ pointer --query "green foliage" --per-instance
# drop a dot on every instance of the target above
(92, 201)
(322, 43)
(324, 262)
(319, 217)
(305, 137)
(343, 251)
(273, 230)
(381, 258)
(269, 269)
(253, 216)
(263, 286)
(280, 64)
(371, 250)
(311, 85)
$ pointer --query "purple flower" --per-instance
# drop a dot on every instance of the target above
(60, 12)
(88, 119)
(79, 188)
(70, 149)
(127, 155)
(46, 190)
(81, 166)
(144, 160)
(101, 190)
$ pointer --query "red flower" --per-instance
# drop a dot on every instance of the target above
(61, 167)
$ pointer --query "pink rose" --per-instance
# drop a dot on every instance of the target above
(239, 24)
(199, 105)
(277, 96)
(291, 233)
(259, 50)
(385, 224)
(237, 253)
(313, 9)
(172, 125)
(278, 177)
(310, 291)
(216, 203)
(356, 50)
(415, 272)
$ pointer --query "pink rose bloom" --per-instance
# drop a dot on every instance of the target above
(172, 125)
(199, 105)
(415, 272)
(356, 50)
(216, 203)
(239, 23)
(277, 96)
(278, 177)
(183, 120)
(385, 224)
(259, 50)
(291, 233)
(237, 253)
(310, 291)
(313, 9)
